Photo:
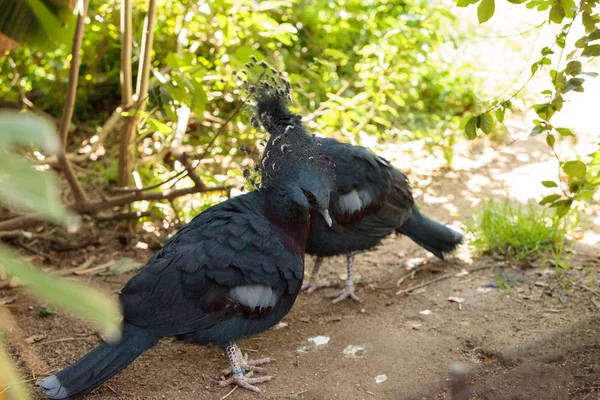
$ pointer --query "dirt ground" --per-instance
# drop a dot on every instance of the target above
(536, 340)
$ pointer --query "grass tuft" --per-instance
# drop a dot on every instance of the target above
(519, 233)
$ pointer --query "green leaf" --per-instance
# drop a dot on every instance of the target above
(85, 301)
(557, 14)
(547, 51)
(581, 42)
(44, 25)
(517, 1)
(591, 51)
(24, 128)
(574, 169)
(486, 123)
(594, 35)
(568, 6)
(549, 199)
(564, 132)
(549, 184)
(563, 209)
(471, 128)
(199, 99)
(28, 189)
(537, 130)
(465, 3)
(575, 184)
(500, 114)
(185, 62)
(592, 74)
(485, 10)
(333, 53)
(159, 126)
(557, 103)
(573, 84)
(573, 68)
(550, 140)
(588, 22)
(535, 67)
(561, 42)
(544, 111)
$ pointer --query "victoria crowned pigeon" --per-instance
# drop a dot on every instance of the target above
(233, 271)
(371, 200)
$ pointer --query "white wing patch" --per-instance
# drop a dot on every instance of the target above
(366, 198)
(254, 296)
(355, 200)
(350, 202)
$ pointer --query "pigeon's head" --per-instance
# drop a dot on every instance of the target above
(310, 190)
(293, 160)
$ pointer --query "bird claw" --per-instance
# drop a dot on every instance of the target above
(314, 284)
(348, 292)
(251, 365)
(246, 381)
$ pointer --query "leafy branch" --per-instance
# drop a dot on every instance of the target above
(580, 177)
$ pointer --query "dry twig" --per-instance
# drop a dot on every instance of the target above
(441, 278)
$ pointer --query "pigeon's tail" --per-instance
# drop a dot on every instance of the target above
(99, 365)
(432, 236)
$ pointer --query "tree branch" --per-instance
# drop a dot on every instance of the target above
(141, 88)
(142, 196)
(67, 170)
(126, 39)
(123, 216)
(125, 156)
(93, 206)
(21, 222)
(67, 113)
(126, 148)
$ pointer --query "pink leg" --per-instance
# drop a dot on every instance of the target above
(348, 291)
(239, 365)
(314, 284)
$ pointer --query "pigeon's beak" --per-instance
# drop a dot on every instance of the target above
(325, 214)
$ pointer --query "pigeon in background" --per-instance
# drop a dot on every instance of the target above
(371, 199)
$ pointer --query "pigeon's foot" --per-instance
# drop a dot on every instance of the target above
(250, 365)
(315, 284)
(246, 381)
(240, 365)
(348, 292)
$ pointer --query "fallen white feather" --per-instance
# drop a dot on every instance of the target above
(280, 325)
(319, 340)
(352, 351)
(456, 299)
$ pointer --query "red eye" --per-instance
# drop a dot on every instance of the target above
(309, 196)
